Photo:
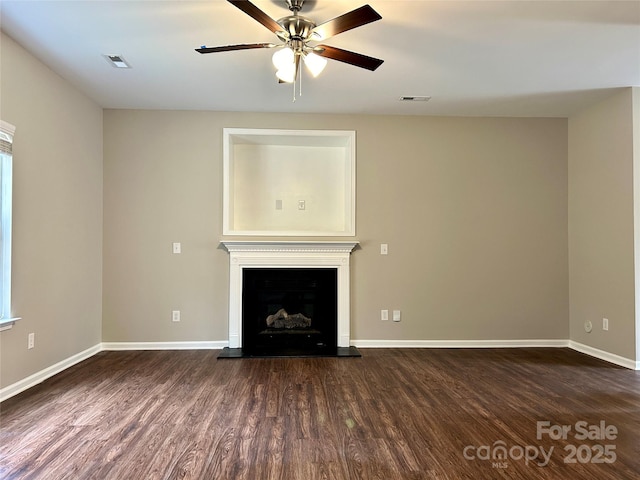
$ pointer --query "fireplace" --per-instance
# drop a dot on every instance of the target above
(270, 278)
(289, 310)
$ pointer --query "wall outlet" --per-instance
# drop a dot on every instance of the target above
(175, 316)
(31, 340)
(605, 324)
(396, 315)
(384, 314)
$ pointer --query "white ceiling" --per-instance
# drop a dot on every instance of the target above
(505, 58)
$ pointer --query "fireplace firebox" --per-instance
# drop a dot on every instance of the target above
(289, 311)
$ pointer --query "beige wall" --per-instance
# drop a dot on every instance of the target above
(57, 229)
(474, 211)
(601, 225)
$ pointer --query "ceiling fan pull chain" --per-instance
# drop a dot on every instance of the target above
(294, 90)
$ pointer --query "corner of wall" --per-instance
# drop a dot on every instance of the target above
(603, 244)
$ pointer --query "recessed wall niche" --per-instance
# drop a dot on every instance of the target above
(289, 182)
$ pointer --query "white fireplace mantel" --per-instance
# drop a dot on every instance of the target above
(288, 254)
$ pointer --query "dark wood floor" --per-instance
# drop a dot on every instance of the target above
(392, 414)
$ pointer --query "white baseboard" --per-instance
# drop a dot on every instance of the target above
(164, 345)
(39, 377)
(579, 347)
(459, 343)
(606, 356)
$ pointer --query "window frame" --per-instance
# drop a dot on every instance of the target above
(7, 131)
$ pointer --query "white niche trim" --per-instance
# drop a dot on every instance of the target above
(284, 254)
(289, 182)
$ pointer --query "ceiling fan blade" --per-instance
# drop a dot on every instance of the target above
(353, 19)
(229, 48)
(254, 12)
(352, 58)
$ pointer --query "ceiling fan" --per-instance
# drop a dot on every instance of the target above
(298, 35)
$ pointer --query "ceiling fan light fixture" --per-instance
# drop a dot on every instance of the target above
(315, 63)
(283, 59)
(287, 74)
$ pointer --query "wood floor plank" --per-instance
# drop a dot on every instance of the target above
(403, 414)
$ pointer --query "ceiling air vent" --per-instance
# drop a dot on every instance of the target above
(414, 98)
(117, 61)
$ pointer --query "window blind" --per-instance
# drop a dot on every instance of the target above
(6, 137)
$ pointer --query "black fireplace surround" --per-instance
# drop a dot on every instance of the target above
(289, 311)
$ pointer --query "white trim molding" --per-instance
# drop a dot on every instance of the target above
(460, 343)
(8, 323)
(541, 343)
(332, 152)
(118, 346)
(606, 356)
(39, 377)
(288, 254)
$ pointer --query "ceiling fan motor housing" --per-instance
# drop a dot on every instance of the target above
(295, 5)
(297, 26)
